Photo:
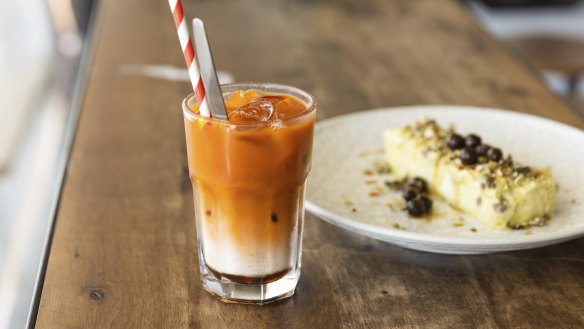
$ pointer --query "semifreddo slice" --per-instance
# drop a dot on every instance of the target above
(471, 176)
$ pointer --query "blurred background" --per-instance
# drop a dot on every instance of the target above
(41, 47)
(546, 34)
(44, 47)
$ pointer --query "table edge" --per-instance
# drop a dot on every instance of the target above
(77, 97)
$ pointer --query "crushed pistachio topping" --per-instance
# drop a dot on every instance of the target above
(434, 140)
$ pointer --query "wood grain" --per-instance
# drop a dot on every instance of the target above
(124, 255)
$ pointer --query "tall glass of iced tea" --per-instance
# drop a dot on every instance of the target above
(248, 176)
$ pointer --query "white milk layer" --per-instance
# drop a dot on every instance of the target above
(255, 257)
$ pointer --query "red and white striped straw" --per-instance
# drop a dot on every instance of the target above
(189, 53)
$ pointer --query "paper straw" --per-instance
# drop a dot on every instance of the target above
(189, 54)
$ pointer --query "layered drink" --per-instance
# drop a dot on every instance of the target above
(248, 175)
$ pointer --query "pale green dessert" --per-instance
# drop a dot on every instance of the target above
(487, 187)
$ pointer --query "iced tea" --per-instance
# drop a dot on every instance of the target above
(248, 176)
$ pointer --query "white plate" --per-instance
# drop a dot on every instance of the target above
(346, 146)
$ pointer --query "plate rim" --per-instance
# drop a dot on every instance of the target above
(376, 231)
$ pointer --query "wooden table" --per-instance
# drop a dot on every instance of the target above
(123, 250)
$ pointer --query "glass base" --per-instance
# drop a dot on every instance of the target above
(249, 293)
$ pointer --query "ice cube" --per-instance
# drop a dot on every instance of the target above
(256, 111)
(277, 124)
(272, 99)
(288, 107)
(236, 100)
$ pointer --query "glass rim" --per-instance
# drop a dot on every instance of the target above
(269, 87)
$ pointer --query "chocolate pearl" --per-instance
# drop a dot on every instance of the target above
(418, 184)
(419, 206)
(455, 142)
(472, 140)
(410, 193)
(416, 207)
(482, 149)
(495, 154)
(427, 202)
(468, 156)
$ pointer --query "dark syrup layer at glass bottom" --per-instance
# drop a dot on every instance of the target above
(250, 279)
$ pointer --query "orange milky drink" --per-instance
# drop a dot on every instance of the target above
(248, 175)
